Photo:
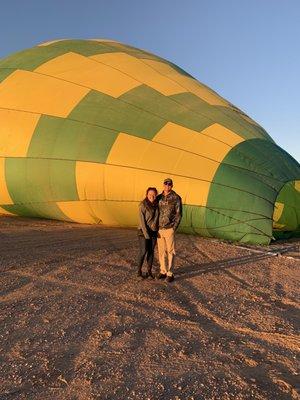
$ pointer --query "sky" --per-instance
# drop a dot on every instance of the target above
(246, 50)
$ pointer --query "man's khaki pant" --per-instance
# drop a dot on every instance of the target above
(166, 250)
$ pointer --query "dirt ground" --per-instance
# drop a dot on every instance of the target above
(75, 323)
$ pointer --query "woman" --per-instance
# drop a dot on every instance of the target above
(147, 231)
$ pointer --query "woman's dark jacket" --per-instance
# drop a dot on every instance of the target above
(148, 213)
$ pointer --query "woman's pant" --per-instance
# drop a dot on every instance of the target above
(146, 247)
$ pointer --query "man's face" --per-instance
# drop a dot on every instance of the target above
(168, 187)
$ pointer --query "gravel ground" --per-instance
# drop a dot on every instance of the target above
(75, 323)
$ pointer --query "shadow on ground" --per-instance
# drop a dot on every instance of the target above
(75, 324)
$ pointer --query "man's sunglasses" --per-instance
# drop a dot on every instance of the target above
(168, 184)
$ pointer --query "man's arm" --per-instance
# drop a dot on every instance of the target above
(178, 215)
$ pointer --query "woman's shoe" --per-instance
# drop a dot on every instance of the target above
(139, 275)
(150, 275)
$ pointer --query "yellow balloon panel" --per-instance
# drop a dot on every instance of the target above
(4, 194)
(278, 209)
(90, 181)
(4, 212)
(128, 218)
(186, 139)
(125, 184)
(187, 83)
(132, 151)
(141, 71)
(84, 71)
(102, 212)
(78, 211)
(219, 132)
(41, 94)
(128, 150)
(166, 136)
(16, 130)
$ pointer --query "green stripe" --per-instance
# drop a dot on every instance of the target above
(39, 210)
(251, 182)
(193, 220)
(149, 99)
(131, 50)
(228, 117)
(265, 157)
(103, 110)
(242, 191)
(65, 139)
(5, 72)
(40, 181)
(234, 117)
(30, 59)
(190, 111)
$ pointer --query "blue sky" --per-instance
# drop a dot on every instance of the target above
(246, 50)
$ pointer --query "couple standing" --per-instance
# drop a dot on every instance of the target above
(160, 216)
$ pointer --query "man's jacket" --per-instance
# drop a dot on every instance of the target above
(170, 210)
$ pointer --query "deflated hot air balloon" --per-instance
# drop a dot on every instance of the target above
(87, 125)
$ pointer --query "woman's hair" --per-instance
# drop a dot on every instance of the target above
(151, 188)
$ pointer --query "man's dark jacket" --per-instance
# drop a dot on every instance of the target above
(170, 210)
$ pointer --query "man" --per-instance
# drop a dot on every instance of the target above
(170, 212)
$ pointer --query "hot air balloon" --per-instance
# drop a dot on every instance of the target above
(87, 125)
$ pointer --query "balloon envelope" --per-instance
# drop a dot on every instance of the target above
(87, 125)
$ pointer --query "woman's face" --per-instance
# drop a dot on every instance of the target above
(151, 195)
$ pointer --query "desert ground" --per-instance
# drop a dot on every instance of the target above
(75, 322)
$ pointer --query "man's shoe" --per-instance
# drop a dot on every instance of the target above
(161, 276)
(150, 275)
(170, 279)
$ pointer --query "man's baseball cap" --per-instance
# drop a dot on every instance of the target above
(168, 180)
